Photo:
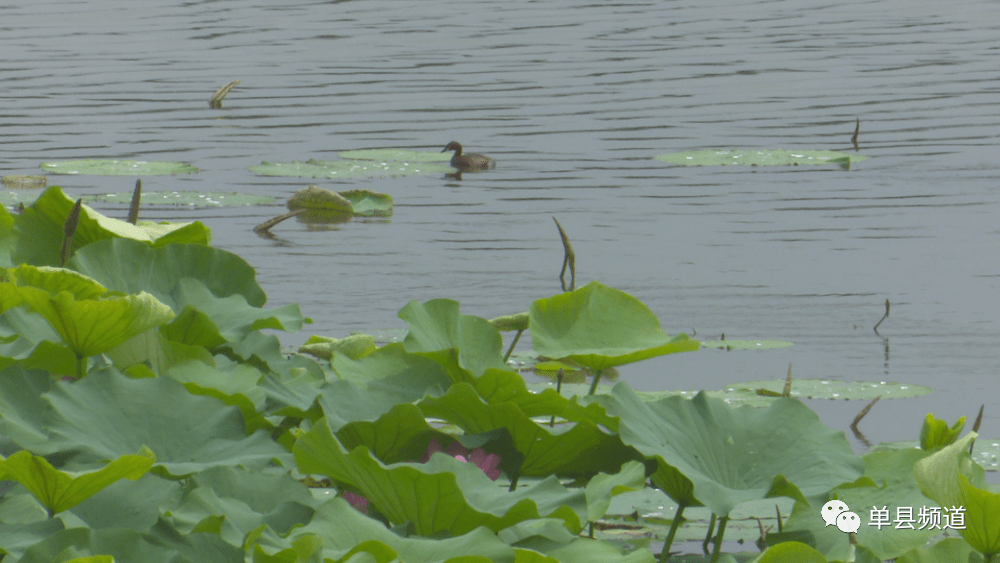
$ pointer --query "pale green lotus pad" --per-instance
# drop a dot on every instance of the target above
(829, 389)
(396, 155)
(751, 157)
(15, 182)
(118, 167)
(351, 168)
(195, 199)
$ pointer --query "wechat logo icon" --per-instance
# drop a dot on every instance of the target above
(836, 513)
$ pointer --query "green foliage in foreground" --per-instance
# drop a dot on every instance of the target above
(145, 417)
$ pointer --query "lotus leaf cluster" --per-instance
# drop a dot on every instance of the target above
(148, 413)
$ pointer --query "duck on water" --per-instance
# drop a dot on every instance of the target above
(468, 162)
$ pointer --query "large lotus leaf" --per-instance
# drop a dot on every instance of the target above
(393, 362)
(344, 401)
(187, 433)
(92, 326)
(130, 546)
(39, 230)
(734, 455)
(888, 482)
(464, 344)
(245, 500)
(27, 338)
(56, 280)
(752, 157)
(61, 490)
(342, 529)
(444, 494)
(125, 266)
(790, 551)
(233, 316)
(947, 550)
(115, 506)
(118, 167)
(238, 385)
(574, 450)
(951, 478)
(600, 327)
(602, 487)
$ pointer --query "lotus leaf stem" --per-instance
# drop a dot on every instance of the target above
(597, 378)
(674, 525)
(708, 536)
(559, 378)
(512, 344)
(718, 538)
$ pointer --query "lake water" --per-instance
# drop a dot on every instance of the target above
(574, 99)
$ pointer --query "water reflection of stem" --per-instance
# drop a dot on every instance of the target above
(593, 386)
(678, 518)
(512, 344)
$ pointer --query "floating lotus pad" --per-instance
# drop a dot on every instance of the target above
(21, 181)
(396, 155)
(362, 203)
(751, 157)
(361, 164)
(118, 167)
(191, 198)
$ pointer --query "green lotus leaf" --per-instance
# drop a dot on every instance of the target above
(600, 327)
(316, 198)
(354, 347)
(444, 494)
(39, 230)
(465, 345)
(951, 478)
(574, 450)
(887, 482)
(118, 167)
(349, 169)
(115, 506)
(790, 551)
(191, 199)
(392, 361)
(160, 545)
(829, 389)
(752, 157)
(55, 280)
(935, 433)
(341, 530)
(61, 490)
(91, 326)
(245, 500)
(219, 284)
(187, 433)
(944, 551)
(733, 455)
(602, 487)
(396, 155)
(367, 203)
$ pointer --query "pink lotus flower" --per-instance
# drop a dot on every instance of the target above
(489, 463)
(357, 501)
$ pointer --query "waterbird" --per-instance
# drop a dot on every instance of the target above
(468, 162)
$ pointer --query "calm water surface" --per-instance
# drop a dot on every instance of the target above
(574, 98)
